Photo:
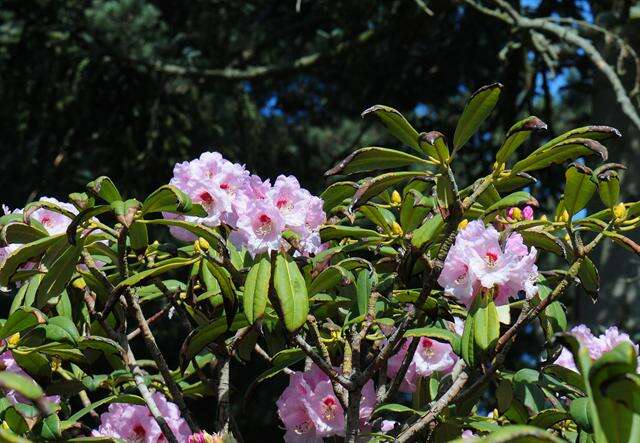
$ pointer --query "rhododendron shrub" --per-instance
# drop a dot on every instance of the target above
(386, 305)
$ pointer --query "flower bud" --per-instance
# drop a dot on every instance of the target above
(527, 213)
(515, 214)
(396, 199)
(55, 363)
(620, 212)
(463, 224)
(564, 217)
(204, 244)
(543, 218)
(396, 229)
(13, 340)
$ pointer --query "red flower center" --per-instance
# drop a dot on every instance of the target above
(329, 407)
(264, 218)
(492, 258)
(224, 185)
(206, 198)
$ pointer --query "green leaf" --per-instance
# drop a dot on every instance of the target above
(509, 183)
(516, 135)
(283, 359)
(516, 199)
(227, 288)
(397, 125)
(139, 236)
(579, 410)
(609, 183)
(168, 198)
(23, 255)
(486, 324)
(329, 278)
(123, 398)
(49, 428)
(467, 344)
(337, 193)
(569, 149)
(475, 112)
(256, 290)
(58, 275)
(395, 407)
(589, 278)
(104, 188)
(205, 232)
(21, 384)
(598, 133)
(61, 329)
(21, 233)
(439, 334)
(381, 217)
(100, 344)
(364, 286)
(543, 240)
(162, 268)
(291, 292)
(548, 417)
(518, 434)
(337, 232)
(578, 189)
(82, 217)
(23, 318)
(428, 231)
(373, 159)
(206, 334)
(414, 208)
(434, 145)
(374, 186)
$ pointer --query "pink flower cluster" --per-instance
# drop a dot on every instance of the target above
(310, 410)
(478, 261)
(9, 364)
(54, 222)
(431, 356)
(258, 212)
(134, 423)
(597, 346)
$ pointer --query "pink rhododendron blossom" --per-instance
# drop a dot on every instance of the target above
(310, 410)
(596, 346)
(232, 196)
(468, 434)
(527, 213)
(477, 260)
(9, 364)
(388, 425)
(134, 423)
(430, 356)
(54, 222)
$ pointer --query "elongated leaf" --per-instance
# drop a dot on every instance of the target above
(21, 384)
(139, 236)
(364, 287)
(467, 344)
(475, 112)
(175, 263)
(104, 188)
(59, 274)
(372, 187)
(336, 232)
(440, 334)
(579, 188)
(508, 183)
(608, 184)
(543, 240)
(428, 231)
(516, 199)
(24, 317)
(82, 217)
(397, 125)
(517, 135)
(291, 292)
(434, 145)
(598, 133)
(227, 288)
(569, 149)
(589, 278)
(373, 159)
(519, 434)
(486, 325)
(21, 233)
(202, 336)
(123, 398)
(337, 193)
(256, 290)
(23, 255)
(330, 278)
(205, 232)
(168, 198)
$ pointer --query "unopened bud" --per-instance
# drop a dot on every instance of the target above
(498, 167)
(620, 212)
(515, 214)
(204, 244)
(13, 340)
(543, 218)
(79, 283)
(396, 199)
(55, 363)
(564, 217)
(396, 228)
(567, 238)
(5, 425)
(463, 224)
